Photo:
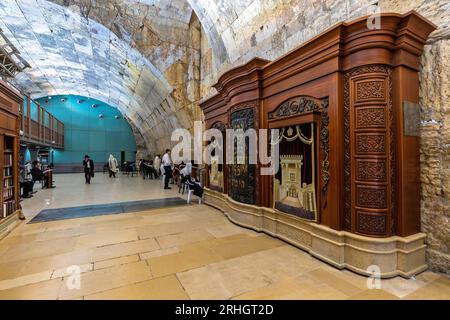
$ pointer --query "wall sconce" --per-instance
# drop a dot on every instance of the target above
(21, 132)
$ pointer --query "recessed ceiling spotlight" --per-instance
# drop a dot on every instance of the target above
(46, 101)
(49, 98)
(94, 106)
(117, 117)
(100, 115)
(63, 99)
(80, 101)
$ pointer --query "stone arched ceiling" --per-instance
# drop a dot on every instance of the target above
(240, 30)
(148, 57)
(114, 62)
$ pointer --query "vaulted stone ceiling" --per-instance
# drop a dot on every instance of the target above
(119, 56)
(154, 60)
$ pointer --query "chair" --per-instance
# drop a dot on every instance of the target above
(185, 186)
(190, 192)
(181, 185)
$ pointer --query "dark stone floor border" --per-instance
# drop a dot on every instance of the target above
(105, 209)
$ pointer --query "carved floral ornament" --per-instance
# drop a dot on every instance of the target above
(297, 105)
(219, 126)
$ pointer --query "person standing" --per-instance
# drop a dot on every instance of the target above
(112, 165)
(88, 165)
(167, 163)
(157, 164)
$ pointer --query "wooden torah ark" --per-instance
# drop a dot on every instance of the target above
(360, 88)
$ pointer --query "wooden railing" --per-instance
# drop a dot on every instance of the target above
(40, 127)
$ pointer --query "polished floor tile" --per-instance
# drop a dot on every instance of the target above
(188, 252)
(164, 288)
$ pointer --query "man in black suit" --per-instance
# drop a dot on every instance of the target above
(88, 165)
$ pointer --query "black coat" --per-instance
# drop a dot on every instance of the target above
(85, 165)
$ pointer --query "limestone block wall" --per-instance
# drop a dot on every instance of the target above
(435, 130)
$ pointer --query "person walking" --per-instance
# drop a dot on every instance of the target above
(88, 166)
(167, 163)
(112, 165)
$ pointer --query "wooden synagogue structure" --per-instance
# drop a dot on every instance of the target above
(346, 104)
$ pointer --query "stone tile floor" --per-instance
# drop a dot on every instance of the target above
(187, 252)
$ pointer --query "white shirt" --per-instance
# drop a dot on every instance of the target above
(166, 160)
(187, 170)
(157, 162)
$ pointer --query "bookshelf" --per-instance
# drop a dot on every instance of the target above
(10, 106)
(9, 177)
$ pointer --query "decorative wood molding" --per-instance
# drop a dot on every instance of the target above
(219, 126)
(325, 148)
(294, 106)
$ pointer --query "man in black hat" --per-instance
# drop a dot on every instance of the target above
(88, 165)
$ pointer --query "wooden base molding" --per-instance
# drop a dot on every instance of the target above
(395, 256)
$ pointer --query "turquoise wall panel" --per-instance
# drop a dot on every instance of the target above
(33, 111)
(97, 141)
(86, 133)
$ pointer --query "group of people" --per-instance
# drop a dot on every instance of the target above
(89, 168)
(31, 172)
(149, 168)
(152, 169)
(182, 173)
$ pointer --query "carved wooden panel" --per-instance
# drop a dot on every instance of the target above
(370, 117)
(370, 143)
(370, 90)
(371, 223)
(371, 197)
(368, 151)
(371, 170)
